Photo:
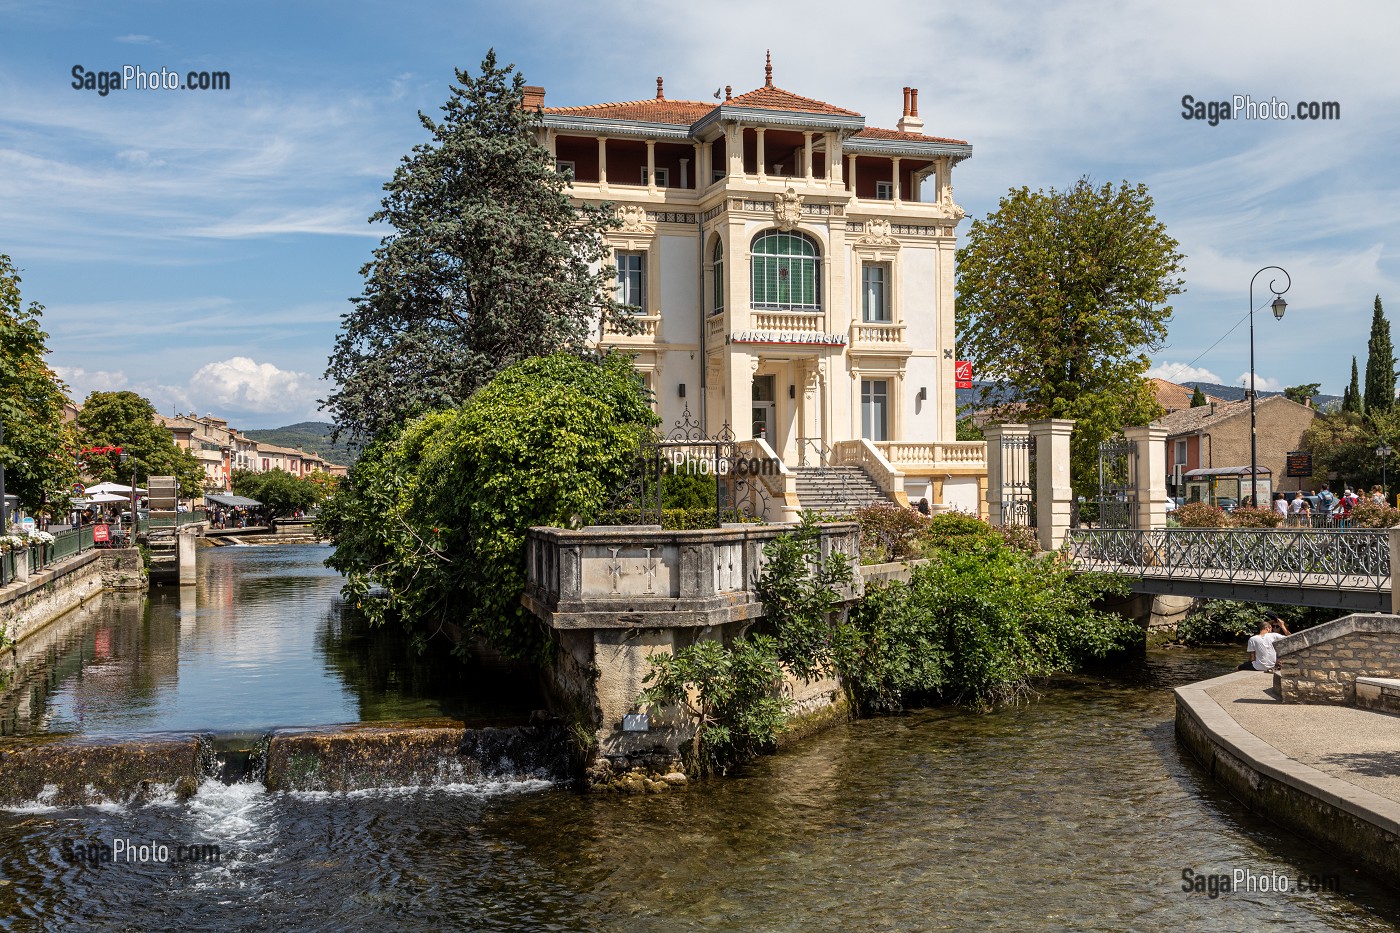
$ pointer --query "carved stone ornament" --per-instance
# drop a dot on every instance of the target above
(787, 209)
(946, 202)
(877, 233)
(634, 218)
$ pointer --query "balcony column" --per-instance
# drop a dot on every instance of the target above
(807, 155)
(685, 173)
(734, 147)
(1053, 486)
(833, 160)
(704, 159)
(1151, 475)
(602, 161)
(762, 153)
(551, 140)
(851, 174)
(898, 187)
(651, 166)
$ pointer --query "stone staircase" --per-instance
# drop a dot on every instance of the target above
(838, 490)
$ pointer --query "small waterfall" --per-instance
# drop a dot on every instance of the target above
(333, 759)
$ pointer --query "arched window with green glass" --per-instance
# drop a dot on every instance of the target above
(717, 278)
(786, 274)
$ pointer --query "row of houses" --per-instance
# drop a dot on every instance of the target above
(222, 450)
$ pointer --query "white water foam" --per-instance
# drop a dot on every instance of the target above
(471, 789)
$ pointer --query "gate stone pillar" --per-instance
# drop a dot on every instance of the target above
(1054, 491)
(1004, 463)
(1151, 478)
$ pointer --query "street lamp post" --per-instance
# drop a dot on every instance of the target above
(1279, 306)
(1383, 451)
(126, 456)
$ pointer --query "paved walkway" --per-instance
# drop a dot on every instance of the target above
(1361, 747)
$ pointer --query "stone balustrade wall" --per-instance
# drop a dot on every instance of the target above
(1320, 665)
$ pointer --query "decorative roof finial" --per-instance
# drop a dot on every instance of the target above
(660, 94)
(728, 91)
(768, 69)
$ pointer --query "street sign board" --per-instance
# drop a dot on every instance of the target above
(1299, 463)
(99, 534)
(962, 372)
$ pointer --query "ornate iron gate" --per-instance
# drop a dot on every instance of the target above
(1117, 500)
(739, 491)
(1017, 480)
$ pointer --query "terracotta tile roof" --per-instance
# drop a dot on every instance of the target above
(1191, 420)
(775, 98)
(875, 132)
(682, 112)
(1174, 397)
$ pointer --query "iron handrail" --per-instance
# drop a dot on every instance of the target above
(1319, 558)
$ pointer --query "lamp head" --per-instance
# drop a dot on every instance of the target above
(1279, 307)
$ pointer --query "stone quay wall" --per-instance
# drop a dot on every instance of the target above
(27, 607)
(1320, 665)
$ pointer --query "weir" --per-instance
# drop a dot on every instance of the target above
(61, 771)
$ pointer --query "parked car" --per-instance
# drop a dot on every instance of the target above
(1228, 504)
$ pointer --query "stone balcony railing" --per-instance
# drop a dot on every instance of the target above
(650, 329)
(792, 321)
(880, 334)
(956, 456)
(645, 577)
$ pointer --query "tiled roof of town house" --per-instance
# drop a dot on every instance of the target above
(1175, 397)
(679, 112)
(1191, 420)
(875, 132)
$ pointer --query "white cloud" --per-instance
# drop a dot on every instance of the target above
(1261, 383)
(242, 383)
(1180, 372)
(137, 39)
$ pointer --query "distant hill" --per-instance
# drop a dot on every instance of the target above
(1236, 394)
(313, 436)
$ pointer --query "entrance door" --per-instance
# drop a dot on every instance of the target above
(763, 408)
(875, 409)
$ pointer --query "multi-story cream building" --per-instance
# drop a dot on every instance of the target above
(792, 274)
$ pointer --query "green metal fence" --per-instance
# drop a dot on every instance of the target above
(8, 570)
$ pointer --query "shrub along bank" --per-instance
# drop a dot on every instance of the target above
(981, 623)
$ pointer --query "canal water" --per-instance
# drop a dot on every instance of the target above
(1075, 812)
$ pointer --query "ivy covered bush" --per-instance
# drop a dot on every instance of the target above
(430, 526)
(1201, 515)
(1368, 514)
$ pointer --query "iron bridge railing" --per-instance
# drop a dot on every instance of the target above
(1356, 559)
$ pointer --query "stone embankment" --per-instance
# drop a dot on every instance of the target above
(28, 606)
(1325, 772)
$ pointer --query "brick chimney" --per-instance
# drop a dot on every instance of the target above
(534, 96)
(910, 122)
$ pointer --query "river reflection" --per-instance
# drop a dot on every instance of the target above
(261, 641)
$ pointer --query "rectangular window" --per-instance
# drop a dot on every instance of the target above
(631, 280)
(1180, 452)
(875, 409)
(663, 177)
(884, 191)
(566, 169)
(875, 292)
(717, 175)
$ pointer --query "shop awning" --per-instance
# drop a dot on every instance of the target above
(233, 502)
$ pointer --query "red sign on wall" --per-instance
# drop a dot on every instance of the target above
(962, 372)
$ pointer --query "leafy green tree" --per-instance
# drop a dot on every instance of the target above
(1380, 363)
(1060, 296)
(1198, 398)
(280, 492)
(37, 451)
(1302, 394)
(127, 420)
(430, 527)
(488, 262)
(1352, 400)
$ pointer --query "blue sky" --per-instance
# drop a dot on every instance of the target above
(200, 247)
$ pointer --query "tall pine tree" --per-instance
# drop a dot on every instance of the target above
(487, 262)
(1198, 398)
(1380, 364)
(1351, 398)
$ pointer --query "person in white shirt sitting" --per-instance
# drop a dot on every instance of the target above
(1262, 656)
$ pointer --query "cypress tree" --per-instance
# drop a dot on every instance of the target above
(1351, 398)
(1380, 363)
(1198, 398)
